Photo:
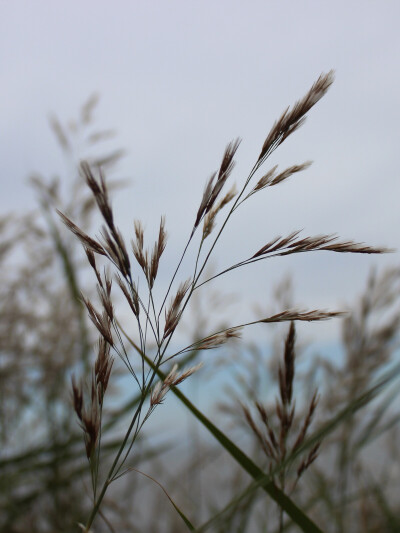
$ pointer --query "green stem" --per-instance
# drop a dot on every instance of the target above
(109, 479)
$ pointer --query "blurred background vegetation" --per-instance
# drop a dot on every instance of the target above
(45, 336)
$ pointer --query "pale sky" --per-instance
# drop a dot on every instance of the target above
(179, 79)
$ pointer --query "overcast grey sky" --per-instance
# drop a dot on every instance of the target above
(179, 79)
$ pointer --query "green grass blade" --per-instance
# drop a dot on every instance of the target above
(298, 517)
(251, 468)
(360, 402)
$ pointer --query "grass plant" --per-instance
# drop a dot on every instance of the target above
(159, 320)
(289, 445)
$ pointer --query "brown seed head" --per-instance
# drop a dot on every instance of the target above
(100, 193)
(138, 248)
(286, 374)
(159, 248)
(87, 241)
(103, 367)
(292, 119)
(209, 219)
(77, 396)
(218, 339)
(307, 316)
(130, 294)
(172, 316)
(101, 321)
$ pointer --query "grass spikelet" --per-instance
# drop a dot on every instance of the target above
(158, 250)
(209, 219)
(271, 178)
(138, 248)
(100, 320)
(172, 315)
(103, 367)
(172, 380)
(302, 316)
(87, 241)
(131, 297)
(100, 194)
(292, 119)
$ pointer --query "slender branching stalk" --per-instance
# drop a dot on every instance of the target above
(156, 324)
